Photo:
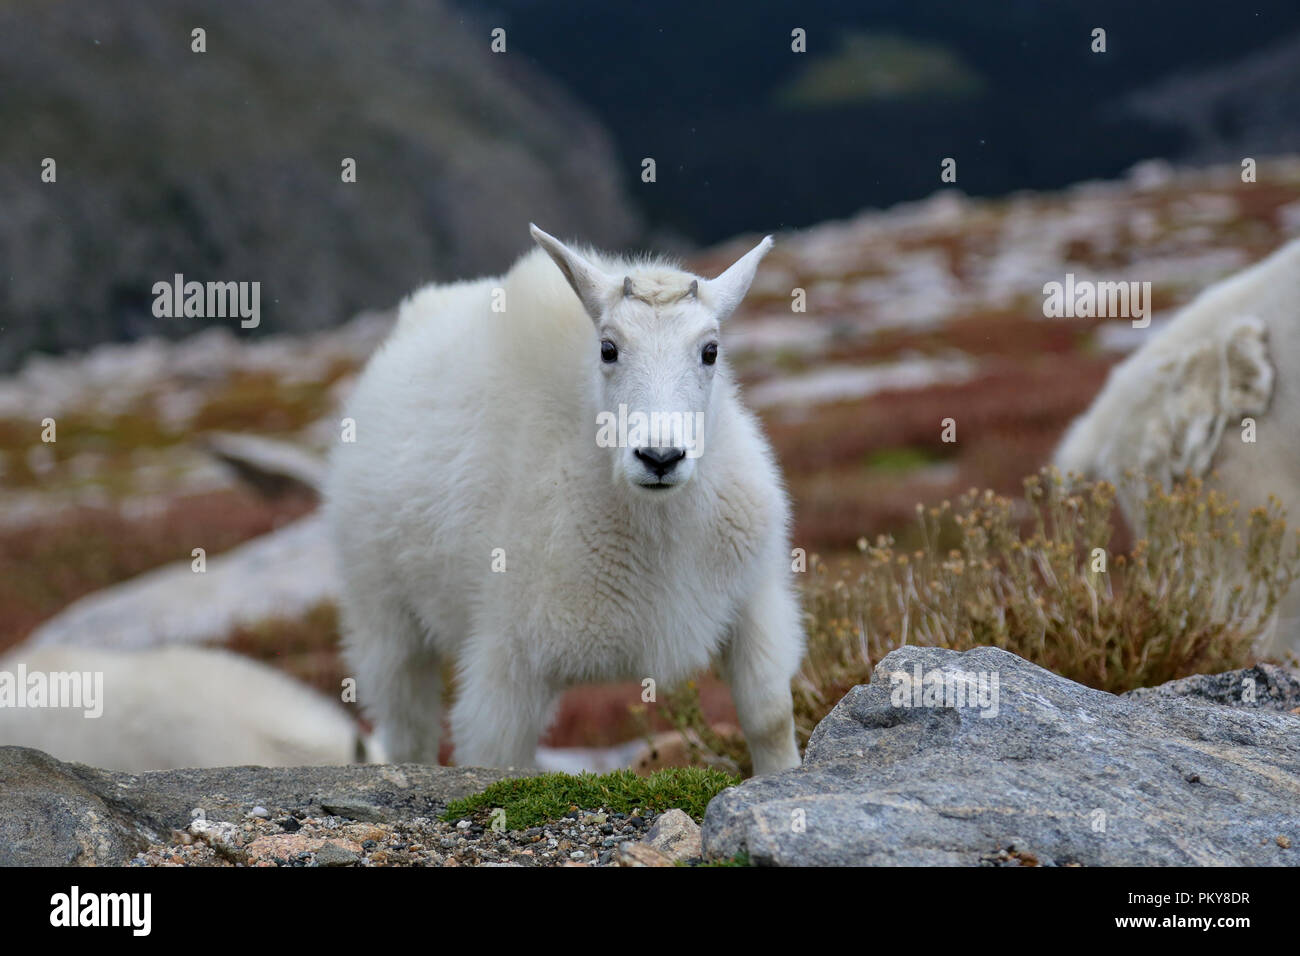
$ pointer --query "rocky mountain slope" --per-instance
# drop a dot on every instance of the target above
(226, 165)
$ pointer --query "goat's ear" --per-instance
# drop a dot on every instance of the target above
(727, 291)
(594, 288)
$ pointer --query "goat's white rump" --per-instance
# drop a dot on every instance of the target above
(169, 707)
(1181, 403)
(485, 518)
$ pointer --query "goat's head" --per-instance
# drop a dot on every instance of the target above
(656, 343)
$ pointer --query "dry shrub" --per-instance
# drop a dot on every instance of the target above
(1192, 595)
(304, 645)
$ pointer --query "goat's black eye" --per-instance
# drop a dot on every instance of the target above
(608, 351)
(710, 353)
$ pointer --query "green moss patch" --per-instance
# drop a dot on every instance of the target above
(531, 801)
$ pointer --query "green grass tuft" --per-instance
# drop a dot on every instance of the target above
(531, 801)
(901, 459)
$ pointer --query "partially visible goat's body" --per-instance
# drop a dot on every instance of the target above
(170, 707)
(1178, 403)
(477, 521)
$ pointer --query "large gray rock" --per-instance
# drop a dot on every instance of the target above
(55, 814)
(1055, 773)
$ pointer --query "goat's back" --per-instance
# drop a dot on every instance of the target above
(1220, 355)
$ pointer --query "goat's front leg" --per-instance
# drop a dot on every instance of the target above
(758, 662)
(500, 712)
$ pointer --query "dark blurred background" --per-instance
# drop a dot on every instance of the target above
(226, 165)
(751, 137)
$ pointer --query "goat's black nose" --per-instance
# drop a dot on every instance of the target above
(660, 460)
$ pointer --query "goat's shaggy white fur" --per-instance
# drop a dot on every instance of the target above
(476, 431)
(1178, 403)
(171, 707)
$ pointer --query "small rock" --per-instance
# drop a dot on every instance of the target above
(354, 810)
(675, 835)
(641, 854)
(223, 837)
(331, 854)
(365, 833)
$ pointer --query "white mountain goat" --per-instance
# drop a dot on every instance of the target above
(1180, 402)
(169, 707)
(490, 514)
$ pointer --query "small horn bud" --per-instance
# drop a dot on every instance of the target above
(694, 290)
(627, 286)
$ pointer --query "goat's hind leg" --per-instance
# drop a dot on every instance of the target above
(399, 679)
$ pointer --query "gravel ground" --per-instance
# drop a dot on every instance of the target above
(280, 838)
